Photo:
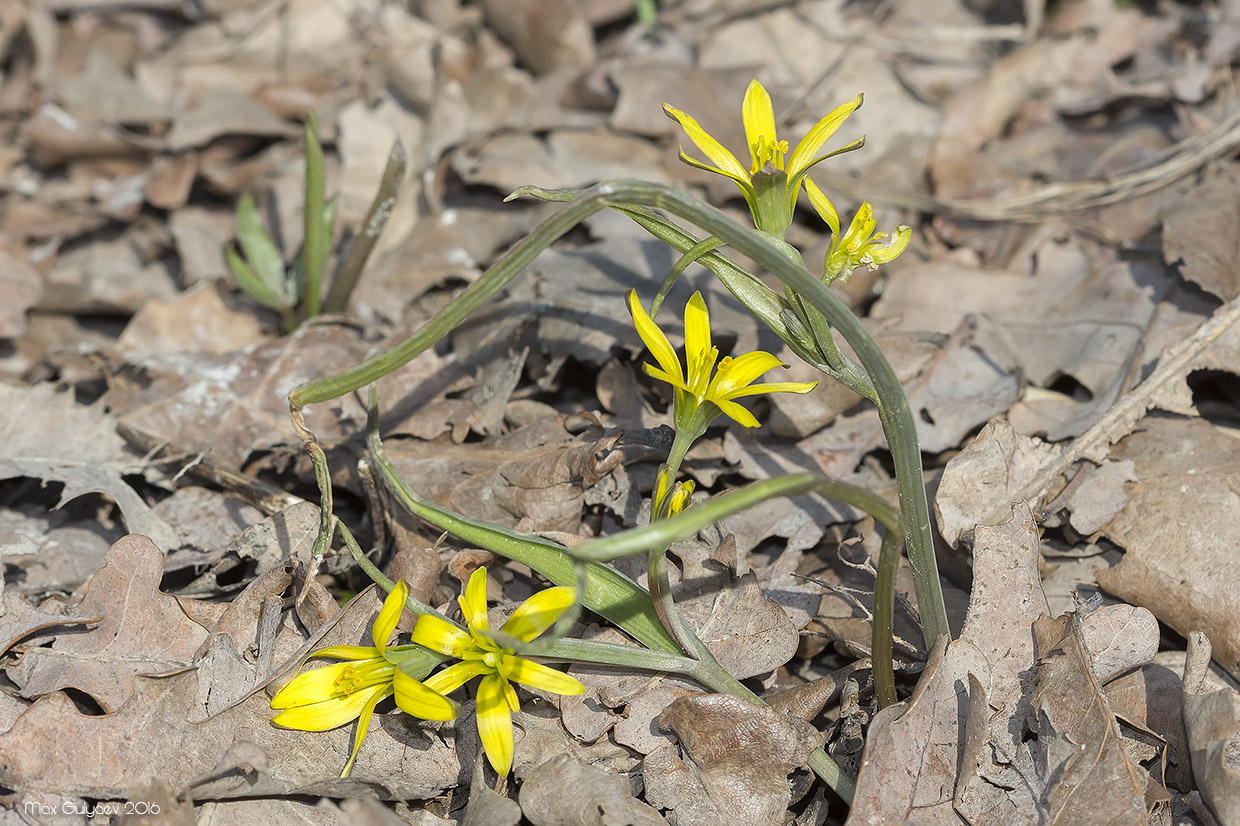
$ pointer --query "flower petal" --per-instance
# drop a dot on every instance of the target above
(773, 387)
(363, 725)
(697, 343)
(741, 372)
(736, 412)
(539, 612)
(456, 675)
(389, 615)
(421, 701)
(658, 373)
(495, 723)
(807, 149)
(437, 634)
(882, 253)
(537, 675)
(759, 118)
(656, 342)
(473, 601)
(723, 160)
(348, 652)
(823, 206)
(330, 713)
(332, 682)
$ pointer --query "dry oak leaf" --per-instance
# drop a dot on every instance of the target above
(1212, 722)
(135, 629)
(598, 797)
(1178, 530)
(737, 757)
(46, 435)
(1087, 775)
(235, 754)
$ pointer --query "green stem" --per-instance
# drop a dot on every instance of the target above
(314, 243)
(894, 412)
(882, 632)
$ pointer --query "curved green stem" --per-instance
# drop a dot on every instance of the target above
(894, 413)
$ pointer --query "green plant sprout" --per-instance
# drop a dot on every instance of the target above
(296, 291)
(804, 313)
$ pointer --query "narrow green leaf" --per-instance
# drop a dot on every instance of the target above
(254, 286)
(260, 249)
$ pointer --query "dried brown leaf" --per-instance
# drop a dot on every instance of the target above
(1087, 775)
(135, 630)
(21, 286)
(1177, 529)
(539, 473)
(1201, 234)
(566, 792)
(1210, 721)
(48, 436)
(734, 763)
(915, 749)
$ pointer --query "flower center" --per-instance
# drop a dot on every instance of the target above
(767, 150)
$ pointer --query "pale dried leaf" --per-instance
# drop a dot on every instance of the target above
(1087, 775)
(1210, 721)
(21, 287)
(47, 436)
(1201, 234)
(135, 630)
(1180, 517)
(915, 749)
(735, 762)
(598, 797)
(1100, 496)
(993, 468)
(1119, 637)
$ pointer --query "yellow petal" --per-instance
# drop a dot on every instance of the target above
(330, 713)
(741, 372)
(495, 723)
(807, 149)
(437, 634)
(348, 652)
(474, 601)
(822, 204)
(456, 675)
(363, 725)
(724, 161)
(416, 699)
(658, 373)
(537, 675)
(883, 253)
(736, 412)
(389, 615)
(332, 682)
(859, 230)
(656, 342)
(539, 612)
(759, 118)
(698, 347)
(773, 387)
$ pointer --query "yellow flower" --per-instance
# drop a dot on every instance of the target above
(769, 185)
(699, 397)
(499, 667)
(861, 246)
(333, 695)
(676, 501)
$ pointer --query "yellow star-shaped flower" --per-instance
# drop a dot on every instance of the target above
(771, 182)
(498, 666)
(333, 695)
(701, 397)
(860, 246)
